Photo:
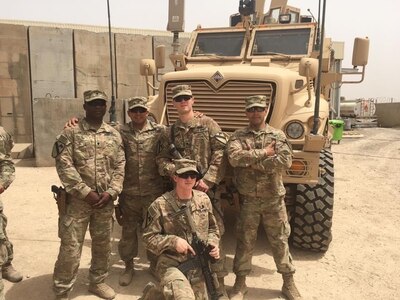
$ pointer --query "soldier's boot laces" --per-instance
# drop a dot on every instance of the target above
(126, 277)
(9, 273)
(221, 291)
(289, 289)
(102, 290)
(239, 288)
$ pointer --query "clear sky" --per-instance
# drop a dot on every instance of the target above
(345, 20)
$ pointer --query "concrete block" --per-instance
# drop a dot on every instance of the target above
(52, 65)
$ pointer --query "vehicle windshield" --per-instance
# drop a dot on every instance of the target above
(218, 44)
(281, 42)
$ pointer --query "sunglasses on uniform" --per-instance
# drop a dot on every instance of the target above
(182, 98)
(255, 109)
(187, 175)
(139, 110)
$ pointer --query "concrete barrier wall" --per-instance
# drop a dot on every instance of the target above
(388, 114)
(60, 64)
(15, 86)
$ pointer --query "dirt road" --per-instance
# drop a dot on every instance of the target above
(363, 261)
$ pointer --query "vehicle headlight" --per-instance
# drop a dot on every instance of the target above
(294, 130)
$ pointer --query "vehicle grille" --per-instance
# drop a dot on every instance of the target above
(225, 104)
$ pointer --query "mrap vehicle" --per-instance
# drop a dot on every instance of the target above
(286, 57)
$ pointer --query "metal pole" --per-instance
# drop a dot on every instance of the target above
(318, 91)
(113, 117)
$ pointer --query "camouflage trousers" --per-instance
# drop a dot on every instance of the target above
(71, 230)
(271, 211)
(219, 267)
(6, 249)
(133, 210)
(175, 285)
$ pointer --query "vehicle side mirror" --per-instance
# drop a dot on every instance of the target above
(310, 64)
(360, 52)
(147, 67)
(159, 56)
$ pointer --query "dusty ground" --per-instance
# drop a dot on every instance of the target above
(363, 261)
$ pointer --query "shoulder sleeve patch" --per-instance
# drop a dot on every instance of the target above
(59, 145)
(152, 213)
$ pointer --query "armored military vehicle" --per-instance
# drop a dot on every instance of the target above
(280, 54)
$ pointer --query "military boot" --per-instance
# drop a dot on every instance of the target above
(102, 290)
(126, 277)
(289, 289)
(239, 288)
(9, 273)
(221, 291)
(64, 296)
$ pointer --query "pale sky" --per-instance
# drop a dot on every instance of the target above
(345, 20)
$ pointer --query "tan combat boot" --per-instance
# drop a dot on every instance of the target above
(289, 289)
(126, 277)
(64, 296)
(102, 290)
(221, 291)
(239, 288)
(9, 273)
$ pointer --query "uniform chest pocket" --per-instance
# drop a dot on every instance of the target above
(200, 134)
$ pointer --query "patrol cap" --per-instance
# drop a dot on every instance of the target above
(181, 90)
(92, 95)
(137, 102)
(256, 100)
(184, 165)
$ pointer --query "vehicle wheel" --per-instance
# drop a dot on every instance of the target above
(312, 220)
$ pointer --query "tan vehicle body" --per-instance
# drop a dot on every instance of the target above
(221, 80)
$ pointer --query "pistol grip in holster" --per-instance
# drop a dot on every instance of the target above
(61, 197)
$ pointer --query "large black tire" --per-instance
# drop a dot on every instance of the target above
(312, 220)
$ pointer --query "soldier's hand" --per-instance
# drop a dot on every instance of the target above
(182, 246)
(104, 199)
(270, 149)
(92, 198)
(202, 186)
(71, 123)
(214, 252)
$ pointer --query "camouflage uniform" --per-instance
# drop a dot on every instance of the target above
(161, 232)
(7, 175)
(87, 159)
(142, 183)
(202, 140)
(258, 179)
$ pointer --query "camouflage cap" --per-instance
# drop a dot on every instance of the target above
(256, 100)
(181, 90)
(184, 165)
(137, 102)
(91, 95)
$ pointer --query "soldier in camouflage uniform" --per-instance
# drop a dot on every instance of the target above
(170, 237)
(259, 154)
(90, 162)
(201, 139)
(143, 141)
(7, 175)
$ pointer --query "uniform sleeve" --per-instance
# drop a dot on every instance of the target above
(283, 158)
(155, 239)
(118, 173)
(217, 165)
(7, 169)
(164, 160)
(239, 156)
(66, 170)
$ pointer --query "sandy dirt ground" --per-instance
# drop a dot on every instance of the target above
(363, 261)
